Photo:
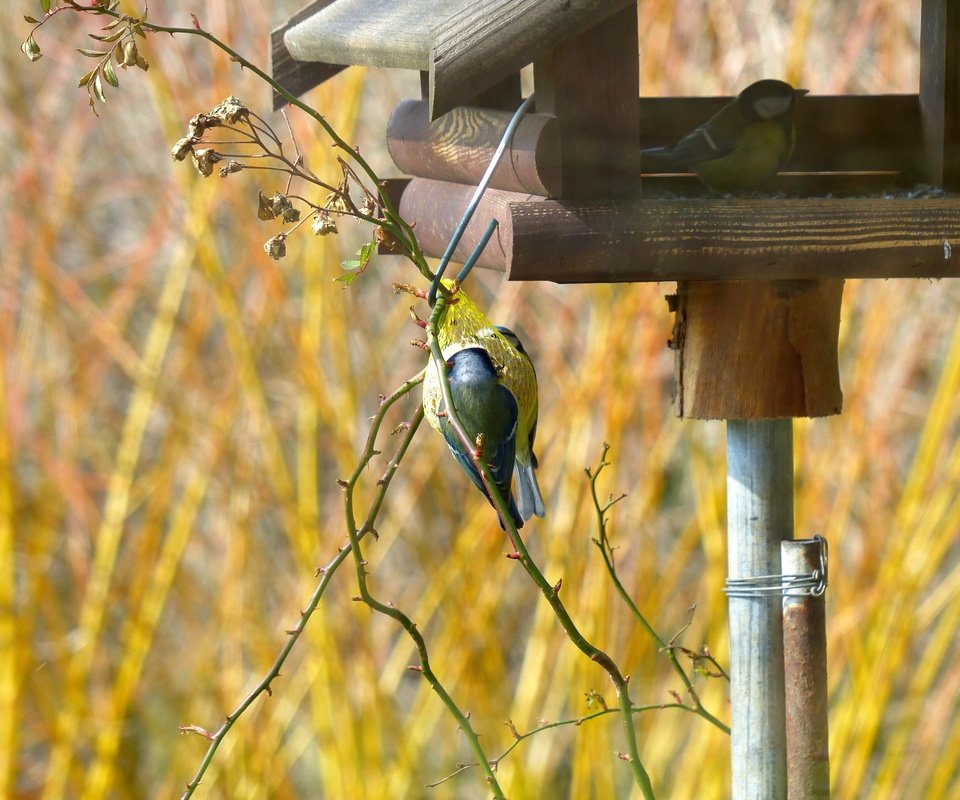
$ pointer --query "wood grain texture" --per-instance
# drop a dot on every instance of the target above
(940, 90)
(385, 33)
(458, 147)
(435, 209)
(297, 77)
(491, 39)
(757, 349)
(716, 239)
(591, 84)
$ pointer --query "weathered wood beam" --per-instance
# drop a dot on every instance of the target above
(458, 147)
(695, 239)
(757, 349)
(591, 84)
(734, 239)
(940, 90)
(483, 40)
(434, 208)
(297, 77)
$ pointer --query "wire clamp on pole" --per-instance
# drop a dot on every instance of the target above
(807, 585)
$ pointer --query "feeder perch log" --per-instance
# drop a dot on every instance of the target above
(458, 147)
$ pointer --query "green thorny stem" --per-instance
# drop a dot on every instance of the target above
(606, 549)
(326, 572)
(550, 591)
(401, 231)
(356, 534)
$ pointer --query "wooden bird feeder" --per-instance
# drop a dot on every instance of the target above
(759, 278)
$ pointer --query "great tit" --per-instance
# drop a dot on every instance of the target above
(465, 325)
(484, 406)
(741, 146)
(529, 499)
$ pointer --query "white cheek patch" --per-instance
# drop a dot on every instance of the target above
(770, 107)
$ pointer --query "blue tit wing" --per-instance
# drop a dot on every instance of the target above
(501, 456)
(499, 448)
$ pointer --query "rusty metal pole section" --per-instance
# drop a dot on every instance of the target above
(759, 517)
(805, 668)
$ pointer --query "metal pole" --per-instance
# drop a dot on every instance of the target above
(759, 517)
(805, 671)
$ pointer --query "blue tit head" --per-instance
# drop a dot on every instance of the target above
(511, 337)
(484, 407)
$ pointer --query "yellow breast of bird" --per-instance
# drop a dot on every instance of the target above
(763, 148)
(465, 325)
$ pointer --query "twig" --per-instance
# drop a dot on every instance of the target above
(326, 572)
(607, 551)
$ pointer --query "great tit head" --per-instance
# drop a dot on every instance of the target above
(769, 99)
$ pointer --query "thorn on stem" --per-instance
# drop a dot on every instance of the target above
(514, 555)
(557, 585)
(342, 483)
(415, 668)
(357, 598)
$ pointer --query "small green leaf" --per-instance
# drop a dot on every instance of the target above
(347, 279)
(31, 20)
(45, 5)
(86, 78)
(91, 53)
(109, 75)
(98, 90)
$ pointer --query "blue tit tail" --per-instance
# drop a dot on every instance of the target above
(529, 499)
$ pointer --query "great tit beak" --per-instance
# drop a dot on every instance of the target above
(800, 92)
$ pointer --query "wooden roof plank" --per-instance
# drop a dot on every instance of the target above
(490, 39)
(373, 33)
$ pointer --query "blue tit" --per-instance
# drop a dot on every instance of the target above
(529, 499)
(464, 325)
(741, 146)
(484, 406)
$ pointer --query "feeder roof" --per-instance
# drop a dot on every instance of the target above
(465, 46)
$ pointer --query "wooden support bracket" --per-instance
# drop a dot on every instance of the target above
(757, 349)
